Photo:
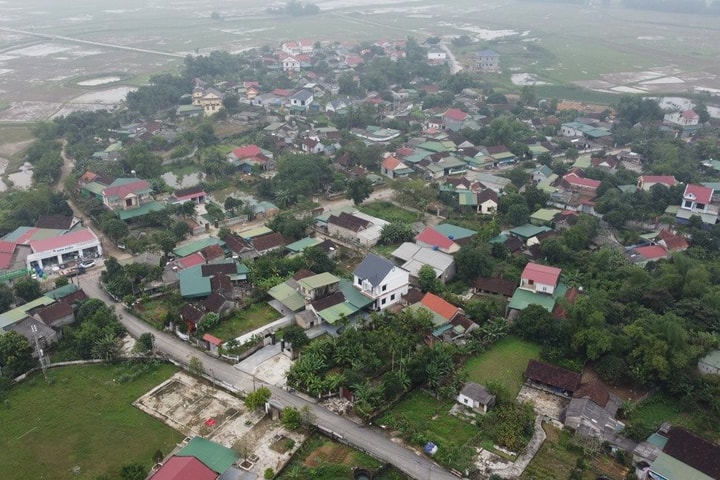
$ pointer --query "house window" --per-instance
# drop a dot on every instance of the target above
(384, 287)
(392, 297)
(383, 301)
(128, 202)
(467, 401)
(530, 282)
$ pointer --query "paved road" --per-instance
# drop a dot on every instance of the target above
(374, 442)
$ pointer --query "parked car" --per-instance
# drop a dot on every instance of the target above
(87, 263)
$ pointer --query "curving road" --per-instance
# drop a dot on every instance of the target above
(414, 464)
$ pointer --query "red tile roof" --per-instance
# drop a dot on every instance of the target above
(668, 180)
(701, 194)
(575, 180)
(121, 191)
(438, 305)
(191, 260)
(213, 340)
(247, 151)
(541, 274)
(593, 391)
(73, 238)
(456, 114)
(268, 241)
(52, 313)
(6, 253)
(652, 252)
(689, 115)
(184, 468)
(391, 163)
(430, 236)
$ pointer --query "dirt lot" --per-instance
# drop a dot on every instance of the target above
(545, 403)
(190, 406)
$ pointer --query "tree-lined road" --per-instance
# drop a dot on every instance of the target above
(377, 444)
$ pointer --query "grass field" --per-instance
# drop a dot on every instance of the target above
(420, 417)
(505, 362)
(83, 419)
(389, 211)
(554, 460)
(651, 413)
(245, 320)
(322, 459)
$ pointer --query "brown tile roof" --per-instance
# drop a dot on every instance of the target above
(514, 244)
(218, 268)
(348, 222)
(326, 302)
(183, 192)
(552, 375)
(212, 252)
(499, 286)
(54, 312)
(59, 222)
(303, 273)
(487, 194)
(236, 244)
(268, 242)
(221, 283)
(463, 321)
(77, 297)
(694, 451)
(594, 391)
(191, 313)
(214, 302)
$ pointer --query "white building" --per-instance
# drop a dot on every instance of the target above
(62, 249)
(378, 279)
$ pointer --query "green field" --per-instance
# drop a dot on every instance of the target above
(650, 414)
(245, 320)
(389, 211)
(554, 459)
(421, 418)
(505, 363)
(83, 419)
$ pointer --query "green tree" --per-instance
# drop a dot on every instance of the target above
(144, 343)
(195, 366)
(7, 298)
(396, 232)
(15, 354)
(427, 279)
(28, 289)
(258, 398)
(133, 471)
(107, 347)
(291, 418)
(359, 189)
(473, 262)
(296, 336)
(61, 282)
(115, 229)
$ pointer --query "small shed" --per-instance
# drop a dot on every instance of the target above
(476, 396)
(212, 343)
(710, 363)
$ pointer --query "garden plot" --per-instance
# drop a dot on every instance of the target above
(544, 403)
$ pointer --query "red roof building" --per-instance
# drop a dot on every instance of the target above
(573, 180)
(79, 237)
(696, 197)
(184, 468)
(439, 306)
(645, 182)
(7, 249)
(247, 151)
(540, 278)
(455, 115)
(433, 239)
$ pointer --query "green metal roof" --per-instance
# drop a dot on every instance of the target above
(434, 147)
(94, 188)
(546, 185)
(672, 468)
(583, 161)
(537, 149)
(466, 197)
(193, 284)
(528, 231)
(545, 214)
(62, 292)
(143, 209)
(353, 296)
(254, 232)
(13, 316)
(196, 246)
(318, 281)
(457, 233)
(522, 298)
(287, 295)
(336, 312)
(302, 244)
(213, 455)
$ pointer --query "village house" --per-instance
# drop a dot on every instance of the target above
(646, 182)
(488, 60)
(551, 378)
(209, 99)
(674, 453)
(686, 118)
(476, 397)
(696, 201)
(393, 168)
(415, 257)
(380, 280)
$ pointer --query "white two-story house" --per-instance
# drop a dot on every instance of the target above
(380, 280)
(540, 278)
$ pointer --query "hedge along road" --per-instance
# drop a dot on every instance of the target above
(375, 443)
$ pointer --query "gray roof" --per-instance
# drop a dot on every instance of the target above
(478, 393)
(302, 95)
(374, 269)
